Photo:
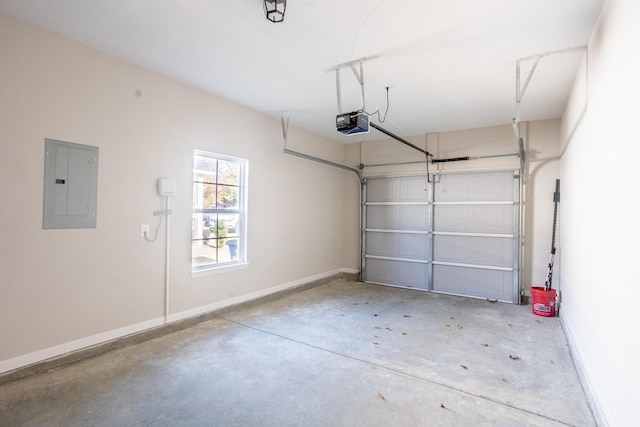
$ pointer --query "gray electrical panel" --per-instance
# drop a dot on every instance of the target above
(70, 185)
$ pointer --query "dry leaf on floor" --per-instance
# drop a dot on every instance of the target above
(381, 396)
(464, 366)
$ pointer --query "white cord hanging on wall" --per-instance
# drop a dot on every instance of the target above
(166, 189)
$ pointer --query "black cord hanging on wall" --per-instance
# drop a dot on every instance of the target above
(274, 10)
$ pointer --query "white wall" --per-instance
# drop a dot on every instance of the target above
(600, 208)
(63, 289)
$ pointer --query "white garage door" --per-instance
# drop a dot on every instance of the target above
(457, 234)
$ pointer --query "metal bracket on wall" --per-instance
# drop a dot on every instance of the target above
(285, 132)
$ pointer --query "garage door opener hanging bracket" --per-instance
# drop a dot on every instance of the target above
(362, 126)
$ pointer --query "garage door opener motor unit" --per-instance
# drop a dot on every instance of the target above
(352, 123)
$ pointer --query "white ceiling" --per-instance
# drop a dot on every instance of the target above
(449, 64)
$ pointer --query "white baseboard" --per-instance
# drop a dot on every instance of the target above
(254, 295)
(58, 350)
(596, 400)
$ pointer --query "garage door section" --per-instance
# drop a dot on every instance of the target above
(475, 251)
(459, 237)
(397, 241)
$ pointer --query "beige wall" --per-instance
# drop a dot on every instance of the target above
(600, 209)
(64, 289)
(542, 169)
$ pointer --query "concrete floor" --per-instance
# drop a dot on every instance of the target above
(339, 354)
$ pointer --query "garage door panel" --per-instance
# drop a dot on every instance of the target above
(398, 217)
(493, 251)
(491, 284)
(398, 273)
(402, 189)
(456, 238)
(413, 246)
(486, 186)
(494, 219)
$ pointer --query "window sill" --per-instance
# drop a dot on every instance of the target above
(217, 270)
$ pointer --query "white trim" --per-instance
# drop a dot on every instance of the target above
(242, 211)
(253, 295)
(219, 269)
(596, 400)
(60, 349)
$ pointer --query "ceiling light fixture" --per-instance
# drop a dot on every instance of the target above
(274, 10)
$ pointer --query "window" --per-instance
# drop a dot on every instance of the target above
(218, 236)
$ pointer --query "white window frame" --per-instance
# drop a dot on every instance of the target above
(241, 226)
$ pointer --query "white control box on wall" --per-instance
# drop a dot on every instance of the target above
(167, 187)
